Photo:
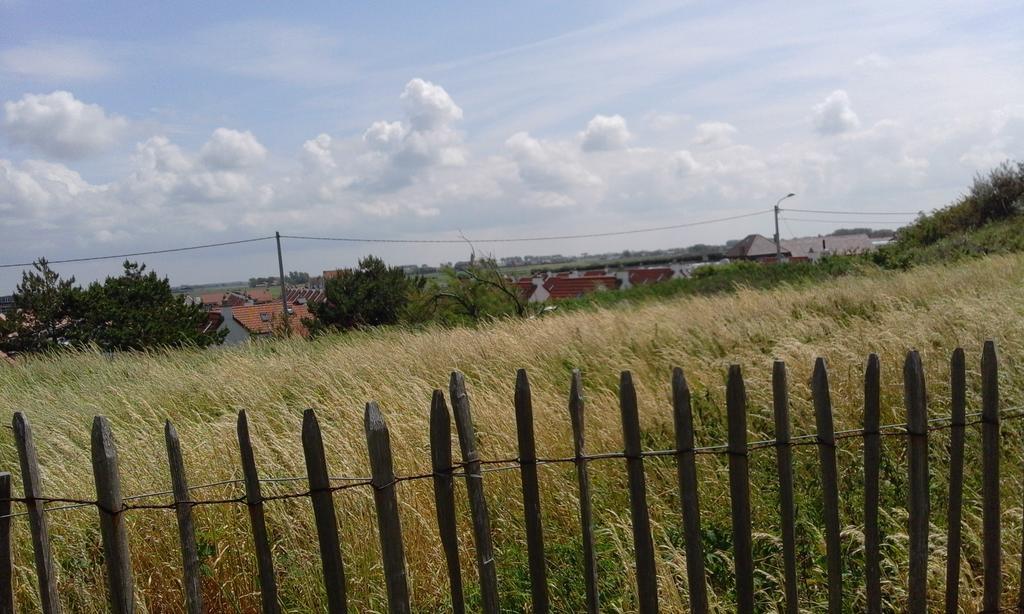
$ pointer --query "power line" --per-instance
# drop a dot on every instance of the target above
(404, 241)
(539, 238)
(149, 253)
(833, 212)
(804, 219)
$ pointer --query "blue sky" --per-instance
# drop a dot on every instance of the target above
(137, 126)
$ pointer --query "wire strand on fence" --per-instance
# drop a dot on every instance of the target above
(488, 466)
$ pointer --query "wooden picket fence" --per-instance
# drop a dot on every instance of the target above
(112, 506)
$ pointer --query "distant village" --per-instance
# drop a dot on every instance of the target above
(256, 311)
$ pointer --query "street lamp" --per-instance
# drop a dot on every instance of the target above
(778, 243)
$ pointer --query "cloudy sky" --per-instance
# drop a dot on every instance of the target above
(140, 126)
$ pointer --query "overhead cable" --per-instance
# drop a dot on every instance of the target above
(149, 253)
(538, 238)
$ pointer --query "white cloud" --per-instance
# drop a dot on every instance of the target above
(55, 62)
(317, 153)
(605, 133)
(546, 166)
(714, 134)
(684, 163)
(834, 115)
(60, 125)
(397, 153)
(428, 106)
(384, 136)
(232, 149)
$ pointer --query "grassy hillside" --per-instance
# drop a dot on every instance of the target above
(933, 309)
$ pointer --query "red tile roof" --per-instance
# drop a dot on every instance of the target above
(212, 298)
(595, 273)
(573, 287)
(311, 295)
(260, 295)
(261, 319)
(526, 287)
(649, 276)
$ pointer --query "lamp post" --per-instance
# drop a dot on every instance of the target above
(778, 243)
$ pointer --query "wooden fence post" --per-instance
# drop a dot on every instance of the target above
(531, 493)
(186, 530)
(444, 495)
(112, 523)
(322, 500)
(6, 571)
(739, 489)
(382, 470)
(958, 403)
(872, 461)
(686, 470)
(829, 483)
(38, 523)
(991, 529)
(917, 471)
(643, 544)
(576, 416)
(254, 501)
(475, 491)
(784, 461)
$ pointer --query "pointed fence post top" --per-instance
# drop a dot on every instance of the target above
(439, 411)
(169, 431)
(374, 420)
(576, 386)
(873, 364)
(310, 426)
(735, 389)
(20, 424)
(679, 383)
(103, 447)
(457, 386)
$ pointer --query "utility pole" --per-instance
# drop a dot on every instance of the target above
(778, 242)
(284, 290)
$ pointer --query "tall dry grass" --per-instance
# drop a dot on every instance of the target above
(931, 309)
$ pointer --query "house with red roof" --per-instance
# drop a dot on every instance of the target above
(639, 277)
(575, 287)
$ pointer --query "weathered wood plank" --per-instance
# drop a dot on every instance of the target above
(991, 528)
(784, 462)
(6, 570)
(739, 489)
(958, 403)
(389, 526)
(37, 520)
(829, 483)
(120, 585)
(444, 495)
(576, 416)
(475, 491)
(322, 500)
(643, 544)
(686, 470)
(872, 463)
(531, 493)
(917, 473)
(257, 520)
(186, 529)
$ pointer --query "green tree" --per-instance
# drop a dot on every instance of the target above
(137, 310)
(473, 293)
(372, 294)
(44, 311)
(297, 278)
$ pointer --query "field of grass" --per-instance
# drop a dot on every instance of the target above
(933, 309)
